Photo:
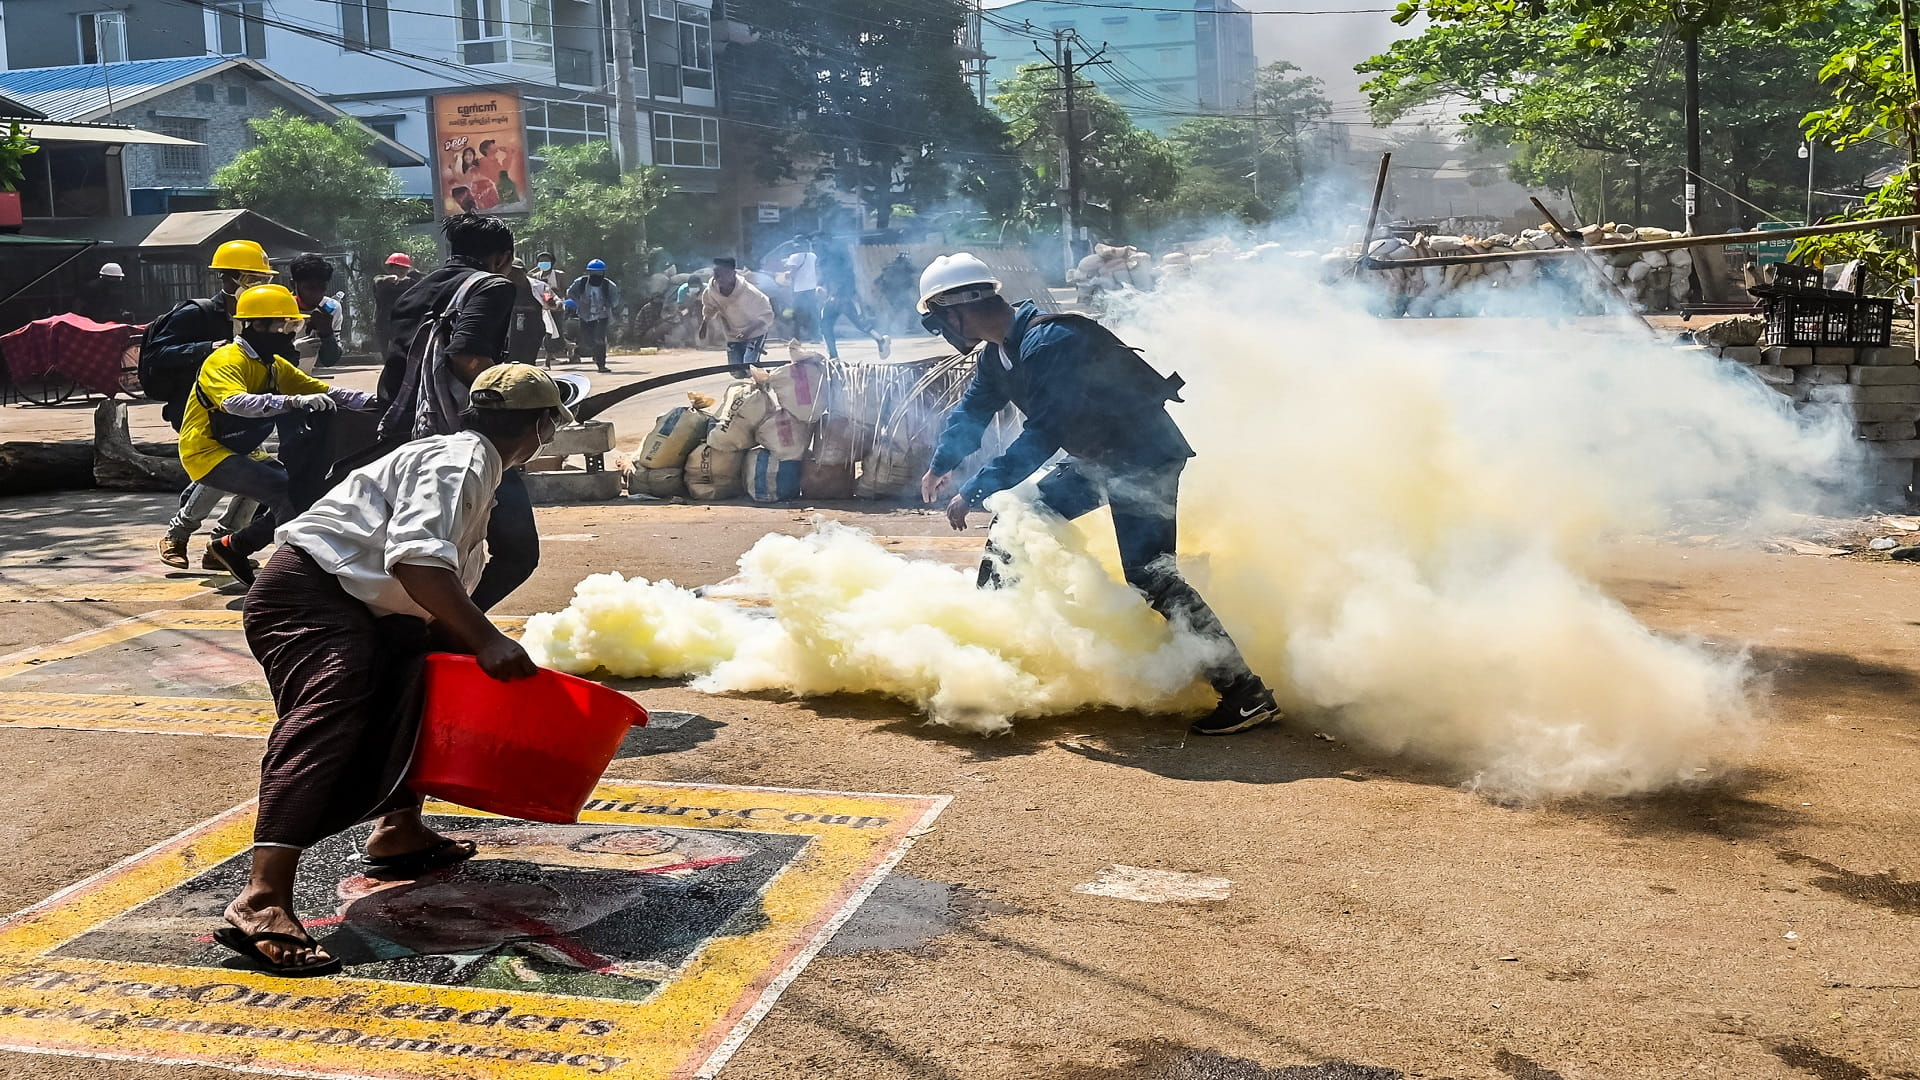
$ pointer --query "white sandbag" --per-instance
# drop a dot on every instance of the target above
(767, 479)
(674, 436)
(1655, 259)
(713, 474)
(739, 415)
(785, 434)
(1638, 271)
(1651, 233)
(660, 483)
(1680, 259)
(800, 387)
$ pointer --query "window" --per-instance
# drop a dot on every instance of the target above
(236, 94)
(363, 24)
(204, 91)
(687, 141)
(239, 31)
(103, 37)
(1114, 20)
(1168, 16)
(562, 123)
(182, 159)
(506, 32)
(696, 47)
(387, 127)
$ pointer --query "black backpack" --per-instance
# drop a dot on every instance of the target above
(169, 378)
(1127, 371)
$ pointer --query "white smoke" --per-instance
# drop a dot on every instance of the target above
(1395, 519)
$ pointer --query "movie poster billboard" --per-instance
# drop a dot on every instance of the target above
(480, 153)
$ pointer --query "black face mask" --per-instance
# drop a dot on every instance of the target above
(270, 345)
(596, 278)
(934, 324)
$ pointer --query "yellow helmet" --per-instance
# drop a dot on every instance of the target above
(241, 255)
(267, 302)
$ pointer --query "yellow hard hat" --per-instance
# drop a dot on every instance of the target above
(241, 255)
(267, 302)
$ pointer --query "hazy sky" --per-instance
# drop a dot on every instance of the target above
(1326, 46)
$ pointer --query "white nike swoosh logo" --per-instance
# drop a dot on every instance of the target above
(1244, 713)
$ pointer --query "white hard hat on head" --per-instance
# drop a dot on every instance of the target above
(962, 274)
(112, 270)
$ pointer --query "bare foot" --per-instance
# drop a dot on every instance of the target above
(274, 919)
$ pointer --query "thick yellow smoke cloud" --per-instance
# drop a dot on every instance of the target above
(1394, 518)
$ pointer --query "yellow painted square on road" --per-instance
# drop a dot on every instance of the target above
(164, 673)
(643, 943)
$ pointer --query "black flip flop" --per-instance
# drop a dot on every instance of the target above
(247, 945)
(448, 852)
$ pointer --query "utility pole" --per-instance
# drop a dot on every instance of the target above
(1693, 128)
(626, 117)
(1070, 189)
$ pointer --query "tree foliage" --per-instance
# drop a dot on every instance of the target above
(321, 179)
(1123, 168)
(15, 148)
(585, 208)
(1582, 101)
(875, 88)
(1251, 167)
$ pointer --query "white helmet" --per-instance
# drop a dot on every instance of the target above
(112, 270)
(948, 273)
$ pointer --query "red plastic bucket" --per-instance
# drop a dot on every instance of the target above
(532, 748)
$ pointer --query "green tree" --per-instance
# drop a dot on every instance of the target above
(15, 148)
(873, 87)
(1123, 168)
(585, 208)
(1594, 108)
(321, 179)
(1872, 106)
(1252, 166)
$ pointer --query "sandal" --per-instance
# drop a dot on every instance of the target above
(247, 945)
(448, 852)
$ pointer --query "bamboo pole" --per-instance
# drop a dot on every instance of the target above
(1906, 221)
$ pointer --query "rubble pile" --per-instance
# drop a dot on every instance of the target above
(1655, 281)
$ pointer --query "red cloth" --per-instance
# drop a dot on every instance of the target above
(90, 353)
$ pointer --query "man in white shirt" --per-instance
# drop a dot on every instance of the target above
(743, 311)
(803, 271)
(341, 618)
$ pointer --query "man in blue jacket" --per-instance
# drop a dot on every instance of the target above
(595, 298)
(1082, 391)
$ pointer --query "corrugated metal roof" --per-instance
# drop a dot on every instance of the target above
(79, 90)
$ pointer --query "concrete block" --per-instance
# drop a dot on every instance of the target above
(1788, 355)
(1889, 432)
(1820, 374)
(570, 486)
(1883, 414)
(1885, 472)
(1885, 376)
(1834, 354)
(1740, 354)
(1904, 450)
(1894, 497)
(592, 437)
(1776, 376)
(1889, 357)
(1849, 394)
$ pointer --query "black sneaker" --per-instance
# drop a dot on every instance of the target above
(221, 553)
(1241, 708)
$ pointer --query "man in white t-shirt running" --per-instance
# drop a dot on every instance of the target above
(803, 272)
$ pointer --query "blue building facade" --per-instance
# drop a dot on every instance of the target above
(1167, 65)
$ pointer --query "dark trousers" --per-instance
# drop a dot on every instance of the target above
(265, 482)
(345, 691)
(830, 318)
(513, 542)
(806, 314)
(742, 353)
(1145, 506)
(592, 341)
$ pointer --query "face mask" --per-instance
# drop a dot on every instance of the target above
(546, 430)
(544, 266)
(935, 324)
(596, 278)
(269, 343)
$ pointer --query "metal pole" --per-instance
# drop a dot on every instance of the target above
(1910, 56)
(1809, 214)
(1379, 191)
(1693, 129)
(1071, 205)
(626, 111)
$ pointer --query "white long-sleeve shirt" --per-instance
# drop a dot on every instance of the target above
(425, 504)
(745, 308)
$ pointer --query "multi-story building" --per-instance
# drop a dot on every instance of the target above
(1169, 62)
(383, 62)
